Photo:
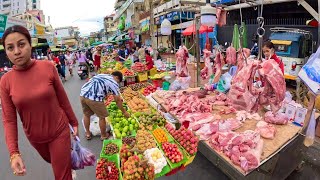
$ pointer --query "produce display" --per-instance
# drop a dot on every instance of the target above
(138, 86)
(122, 126)
(144, 140)
(136, 169)
(137, 104)
(148, 90)
(125, 153)
(159, 76)
(185, 137)
(160, 135)
(111, 149)
(155, 157)
(128, 93)
(109, 64)
(127, 72)
(130, 141)
(172, 152)
(149, 119)
(139, 67)
(106, 170)
(108, 100)
(118, 66)
(127, 63)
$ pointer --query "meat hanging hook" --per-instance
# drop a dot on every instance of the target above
(260, 32)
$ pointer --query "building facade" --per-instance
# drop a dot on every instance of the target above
(18, 7)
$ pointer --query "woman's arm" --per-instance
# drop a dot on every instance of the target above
(63, 98)
(9, 118)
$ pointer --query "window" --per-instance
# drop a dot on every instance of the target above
(34, 1)
(18, 3)
(34, 6)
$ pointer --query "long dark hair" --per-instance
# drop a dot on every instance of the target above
(268, 44)
(19, 29)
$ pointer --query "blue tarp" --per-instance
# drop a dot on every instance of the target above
(286, 36)
(225, 1)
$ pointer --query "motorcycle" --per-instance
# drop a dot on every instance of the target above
(83, 70)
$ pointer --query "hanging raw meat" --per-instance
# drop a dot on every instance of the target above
(218, 64)
(231, 57)
(182, 57)
(242, 54)
(221, 17)
(207, 71)
(244, 95)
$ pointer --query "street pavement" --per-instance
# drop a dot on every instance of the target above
(200, 169)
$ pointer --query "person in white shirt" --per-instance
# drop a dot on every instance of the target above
(70, 60)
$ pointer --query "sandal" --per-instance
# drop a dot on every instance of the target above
(105, 137)
(89, 136)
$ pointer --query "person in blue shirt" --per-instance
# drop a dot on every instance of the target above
(122, 54)
(92, 96)
(62, 59)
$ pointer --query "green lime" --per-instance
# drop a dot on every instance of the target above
(123, 134)
(133, 121)
(125, 129)
(117, 125)
(118, 135)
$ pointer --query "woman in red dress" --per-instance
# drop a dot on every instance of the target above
(34, 90)
(149, 61)
(97, 59)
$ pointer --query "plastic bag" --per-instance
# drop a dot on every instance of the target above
(311, 131)
(94, 126)
(86, 156)
(224, 83)
(181, 83)
(312, 67)
(75, 158)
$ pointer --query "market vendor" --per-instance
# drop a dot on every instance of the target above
(269, 53)
(149, 61)
(92, 95)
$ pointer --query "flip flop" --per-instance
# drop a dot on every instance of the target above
(89, 137)
(106, 137)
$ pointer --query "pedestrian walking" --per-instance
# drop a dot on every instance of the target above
(33, 88)
(70, 60)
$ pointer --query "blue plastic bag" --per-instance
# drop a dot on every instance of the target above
(312, 67)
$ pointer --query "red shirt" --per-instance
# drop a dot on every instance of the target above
(56, 60)
(278, 60)
(149, 62)
(38, 95)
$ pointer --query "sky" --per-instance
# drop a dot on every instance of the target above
(80, 13)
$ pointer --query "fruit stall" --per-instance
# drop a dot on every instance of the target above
(145, 145)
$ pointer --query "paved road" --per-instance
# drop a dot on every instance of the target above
(38, 169)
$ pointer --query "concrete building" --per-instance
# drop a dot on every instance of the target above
(109, 25)
(13, 7)
(18, 7)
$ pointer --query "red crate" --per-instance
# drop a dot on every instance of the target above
(157, 82)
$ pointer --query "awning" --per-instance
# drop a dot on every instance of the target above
(283, 42)
(55, 49)
(97, 43)
(70, 41)
(112, 38)
(192, 30)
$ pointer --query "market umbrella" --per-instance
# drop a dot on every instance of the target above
(244, 36)
(235, 38)
(192, 30)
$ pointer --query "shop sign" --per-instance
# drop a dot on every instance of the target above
(40, 30)
(145, 25)
(3, 22)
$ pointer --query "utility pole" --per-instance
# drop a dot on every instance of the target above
(151, 21)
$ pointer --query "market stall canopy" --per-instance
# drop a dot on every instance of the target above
(112, 38)
(192, 30)
(56, 49)
(97, 43)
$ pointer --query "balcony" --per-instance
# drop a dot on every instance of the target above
(174, 4)
(8, 2)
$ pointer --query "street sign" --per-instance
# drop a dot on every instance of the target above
(3, 22)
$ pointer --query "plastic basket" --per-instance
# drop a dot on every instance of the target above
(142, 77)
(118, 142)
(116, 160)
(130, 80)
(153, 71)
(157, 82)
